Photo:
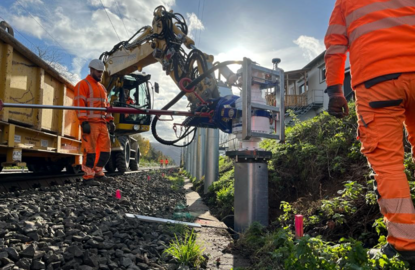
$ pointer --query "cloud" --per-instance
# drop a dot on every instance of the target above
(29, 25)
(311, 46)
(193, 24)
(27, 3)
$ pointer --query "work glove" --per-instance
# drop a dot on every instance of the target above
(337, 102)
(111, 127)
(86, 127)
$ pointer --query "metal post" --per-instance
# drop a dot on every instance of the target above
(199, 154)
(194, 153)
(251, 172)
(212, 158)
(203, 151)
(187, 156)
(251, 194)
(190, 158)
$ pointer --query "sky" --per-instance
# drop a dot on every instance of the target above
(76, 31)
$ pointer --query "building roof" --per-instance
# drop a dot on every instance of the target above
(296, 74)
(315, 61)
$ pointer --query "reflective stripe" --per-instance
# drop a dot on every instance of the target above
(95, 115)
(397, 206)
(378, 6)
(80, 97)
(96, 99)
(91, 94)
(381, 24)
(335, 49)
(88, 172)
(90, 102)
(401, 230)
(337, 29)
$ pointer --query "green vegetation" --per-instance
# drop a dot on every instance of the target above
(319, 173)
(177, 181)
(274, 250)
(186, 250)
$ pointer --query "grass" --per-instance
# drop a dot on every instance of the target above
(177, 181)
(186, 251)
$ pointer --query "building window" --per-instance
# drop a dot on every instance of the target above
(322, 74)
(302, 88)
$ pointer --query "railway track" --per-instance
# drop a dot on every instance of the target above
(15, 180)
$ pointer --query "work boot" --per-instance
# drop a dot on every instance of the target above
(90, 182)
(104, 178)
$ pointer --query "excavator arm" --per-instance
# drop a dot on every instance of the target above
(212, 104)
(163, 42)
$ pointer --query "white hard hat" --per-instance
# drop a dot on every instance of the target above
(97, 65)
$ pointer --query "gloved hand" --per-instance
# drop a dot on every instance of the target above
(111, 127)
(86, 127)
(337, 102)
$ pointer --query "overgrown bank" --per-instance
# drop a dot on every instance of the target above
(319, 173)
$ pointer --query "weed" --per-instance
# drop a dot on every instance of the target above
(186, 251)
(177, 181)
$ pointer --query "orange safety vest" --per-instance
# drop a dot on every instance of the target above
(90, 93)
(379, 34)
(167, 161)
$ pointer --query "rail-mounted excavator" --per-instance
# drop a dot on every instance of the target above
(128, 87)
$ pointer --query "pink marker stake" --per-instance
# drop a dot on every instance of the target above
(299, 226)
(162, 175)
(148, 177)
(118, 194)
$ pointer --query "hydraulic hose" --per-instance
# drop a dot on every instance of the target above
(179, 96)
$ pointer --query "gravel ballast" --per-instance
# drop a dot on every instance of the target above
(84, 227)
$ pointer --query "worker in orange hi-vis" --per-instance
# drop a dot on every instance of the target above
(166, 162)
(161, 162)
(380, 38)
(95, 125)
(128, 100)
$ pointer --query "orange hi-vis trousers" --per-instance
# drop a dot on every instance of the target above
(97, 150)
(383, 110)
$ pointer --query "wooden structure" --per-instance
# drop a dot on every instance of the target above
(44, 140)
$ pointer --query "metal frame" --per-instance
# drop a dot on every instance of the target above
(247, 70)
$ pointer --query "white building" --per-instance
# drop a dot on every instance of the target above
(304, 88)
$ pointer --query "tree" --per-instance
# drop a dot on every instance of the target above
(53, 57)
(144, 144)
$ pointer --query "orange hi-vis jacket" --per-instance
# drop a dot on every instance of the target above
(379, 34)
(90, 93)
